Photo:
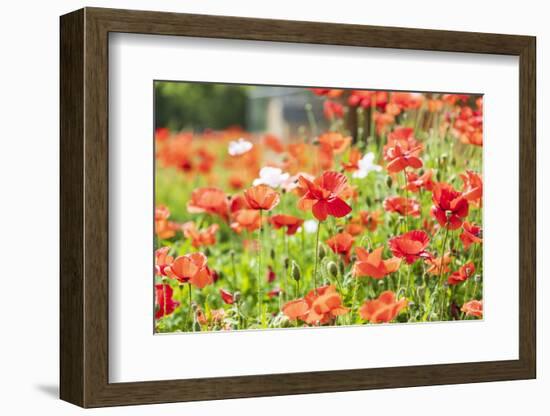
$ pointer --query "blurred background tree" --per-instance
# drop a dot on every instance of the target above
(197, 106)
(256, 108)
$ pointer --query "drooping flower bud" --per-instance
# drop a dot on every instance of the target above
(270, 274)
(332, 269)
(322, 251)
(295, 271)
(286, 262)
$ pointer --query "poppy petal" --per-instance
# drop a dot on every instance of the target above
(338, 208)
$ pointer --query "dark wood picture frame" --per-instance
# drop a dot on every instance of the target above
(84, 207)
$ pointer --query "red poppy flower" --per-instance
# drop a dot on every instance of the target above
(206, 237)
(353, 162)
(403, 206)
(200, 316)
(402, 150)
(473, 308)
(290, 222)
(246, 219)
(236, 181)
(206, 160)
(383, 121)
(177, 152)
(270, 275)
(371, 219)
(261, 197)
(341, 244)
(332, 109)
(455, 98)
(366, 98)
(449, 207)
(372, 265)
(438, 265)
(417, 182)
(472, 189)
(165, 304)
(462, 274)
(300, 154)
(331, 143)
(349, 192)
(296, 309)
(274, 293)
(334, 142)
(210, 200)
(406, 100)
(410, 246)
(191, 268)
(163, 227)
(399, 159)
(162, 134)
(322, 195)
(329, 92)
(274, 143)
(320, 306)
(162, 260)
(384, 309)
(468, 125)
(227, 297)
(471, 234)
(354, 227)
(237, 202)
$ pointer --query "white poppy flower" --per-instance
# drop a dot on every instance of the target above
(310, 226)
(239, 147)
(366, 166)
(271, 176)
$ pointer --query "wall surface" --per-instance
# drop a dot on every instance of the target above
(29, 159)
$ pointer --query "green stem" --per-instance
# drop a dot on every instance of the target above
(260, 267)
(234, 270)
(238, 310)
(316, 256)
(398, 282)
(372, 132)
(311, 119)
(406, 201)
(360, 128)
(354, 297)
(284, 265)
(409, 280)
(441, 283)
(190, 311)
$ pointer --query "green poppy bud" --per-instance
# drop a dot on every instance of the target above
(332, 269)
(295, 271)
(322, 251)
(389, 181)
(342, 266)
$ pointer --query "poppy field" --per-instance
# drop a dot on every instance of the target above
(365, 209)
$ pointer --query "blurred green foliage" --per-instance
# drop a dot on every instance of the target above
(197, 106)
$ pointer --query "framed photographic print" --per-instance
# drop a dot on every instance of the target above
(257, 207)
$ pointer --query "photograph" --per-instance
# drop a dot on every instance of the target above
(292, 207)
